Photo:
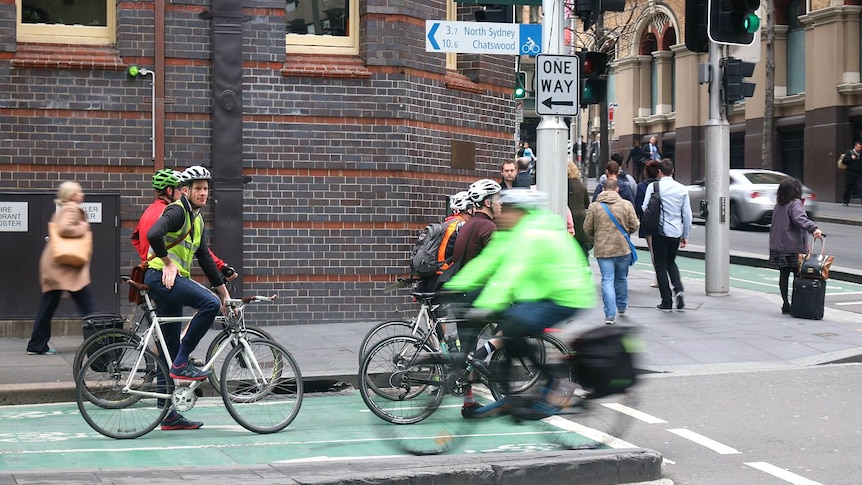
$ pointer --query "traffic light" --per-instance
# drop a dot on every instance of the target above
(733, 21)
(734, 87)
(590, 10)
(520, 85)
(593, 78)
(696, 38)
(504, 14)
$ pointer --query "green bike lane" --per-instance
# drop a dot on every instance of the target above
(330, 426)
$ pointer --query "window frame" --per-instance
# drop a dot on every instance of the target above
(349, 44)
(67, 34)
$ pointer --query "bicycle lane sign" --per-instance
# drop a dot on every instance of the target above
(483, 38)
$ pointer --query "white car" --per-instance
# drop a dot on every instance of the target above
(752, 196)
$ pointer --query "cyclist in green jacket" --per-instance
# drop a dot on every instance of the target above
(532, 274)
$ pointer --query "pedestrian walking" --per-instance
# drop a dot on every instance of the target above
(608, 223)
(853, 174)
(636, 160)
(70, 221)
(578, 201)
(652, 149)
(788, 235)
(650, 174)
(673, 234)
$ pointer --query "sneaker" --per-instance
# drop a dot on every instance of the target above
(180, 422)
(654, 284)
(680, 303)
(195, 362)
(609, 321)
(47, 352)
(622, 312)
(468, 410)
(188, 372)
(665, 307)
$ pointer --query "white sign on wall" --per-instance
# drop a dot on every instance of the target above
(13, 217)
(93, 211)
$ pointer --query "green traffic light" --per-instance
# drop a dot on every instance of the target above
(520, 93)
(133, 71)
(751, 23)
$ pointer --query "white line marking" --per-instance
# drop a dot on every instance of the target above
(844, 303)
(704, 441)
(646, 418)
(318, 459)
(782, 473)
(590, 433)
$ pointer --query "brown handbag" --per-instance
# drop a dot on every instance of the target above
(140, 270)
(70, 251)
(816, 267)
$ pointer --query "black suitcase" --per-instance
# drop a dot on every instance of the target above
(809, 298)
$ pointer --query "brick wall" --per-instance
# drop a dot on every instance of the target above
(344, 170)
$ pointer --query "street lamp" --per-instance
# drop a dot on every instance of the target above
(135, 71)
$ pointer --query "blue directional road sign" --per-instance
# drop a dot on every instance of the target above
(483, 38)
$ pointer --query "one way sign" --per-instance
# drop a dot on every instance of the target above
(557, 85)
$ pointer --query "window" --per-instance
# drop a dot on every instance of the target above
(795, 48)
(323, 26)
(66, 22)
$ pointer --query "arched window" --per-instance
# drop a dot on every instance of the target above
(795, 48)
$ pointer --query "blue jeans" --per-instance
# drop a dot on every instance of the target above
(170, 303)
(615, 283)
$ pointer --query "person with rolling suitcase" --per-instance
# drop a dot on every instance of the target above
(788, 238)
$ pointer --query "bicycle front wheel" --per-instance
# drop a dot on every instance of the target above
(104, 404)
(98, 340)
(227, 338)
(395, 384)
(261, 385)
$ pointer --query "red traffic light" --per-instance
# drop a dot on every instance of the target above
(593, 64)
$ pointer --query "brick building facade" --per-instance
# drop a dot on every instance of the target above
(347, 150)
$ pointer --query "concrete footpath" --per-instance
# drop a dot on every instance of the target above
(741, 331)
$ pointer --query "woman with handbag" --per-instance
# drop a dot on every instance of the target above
(69, 223)
(788, 234)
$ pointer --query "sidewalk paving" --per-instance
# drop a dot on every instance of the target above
(743, 330)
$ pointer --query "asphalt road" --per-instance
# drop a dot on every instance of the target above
(797, 426)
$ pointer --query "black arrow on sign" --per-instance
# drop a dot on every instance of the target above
(550, 102)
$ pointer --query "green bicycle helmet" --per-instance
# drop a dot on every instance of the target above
(165, 178)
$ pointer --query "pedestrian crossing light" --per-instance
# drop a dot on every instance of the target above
(733, 22)
(520, 85)
(734, 87)
(593, 78)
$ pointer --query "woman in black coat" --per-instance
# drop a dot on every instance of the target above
(578, 201)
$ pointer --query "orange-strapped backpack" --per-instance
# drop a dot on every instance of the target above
(447, 245)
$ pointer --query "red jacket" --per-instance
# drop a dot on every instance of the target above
(151, 214)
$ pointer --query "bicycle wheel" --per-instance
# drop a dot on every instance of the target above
(251, 333)
(383, 331)
(394, 386)
(593, 423)
(524, 374)
(104, 405)
(100, 339)
(261, 385)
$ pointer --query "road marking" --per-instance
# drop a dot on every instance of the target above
(782, 473)
(702, 440)
(844, 303)
(593, 434)
(646, 418)
(318, 459)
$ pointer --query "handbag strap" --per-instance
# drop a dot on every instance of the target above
(616, 222)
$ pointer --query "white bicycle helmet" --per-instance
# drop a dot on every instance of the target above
(482, 189)
(524, 198)
(196, 172)
(460, 201)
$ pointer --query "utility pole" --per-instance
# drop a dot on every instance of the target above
(717, 251)
(551, 133)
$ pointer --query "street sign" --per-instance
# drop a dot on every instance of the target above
(483, 38)
(557, 85)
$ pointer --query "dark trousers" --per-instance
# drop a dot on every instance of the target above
(664, 254)
(50, 301)
(852, 180)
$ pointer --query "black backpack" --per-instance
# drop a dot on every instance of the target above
(423, 257)
(651, 220)
(603, 362)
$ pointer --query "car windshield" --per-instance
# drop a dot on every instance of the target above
(764, 177)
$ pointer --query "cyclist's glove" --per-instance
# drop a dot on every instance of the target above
(227, 271)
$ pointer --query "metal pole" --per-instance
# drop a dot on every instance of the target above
(551, 133)
(717, 252)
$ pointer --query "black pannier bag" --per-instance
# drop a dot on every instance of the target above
(96, 322)
(603, 361)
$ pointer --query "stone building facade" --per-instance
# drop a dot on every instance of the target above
(351, 140)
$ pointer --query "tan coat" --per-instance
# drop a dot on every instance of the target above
(608, 241)
(70, 221)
